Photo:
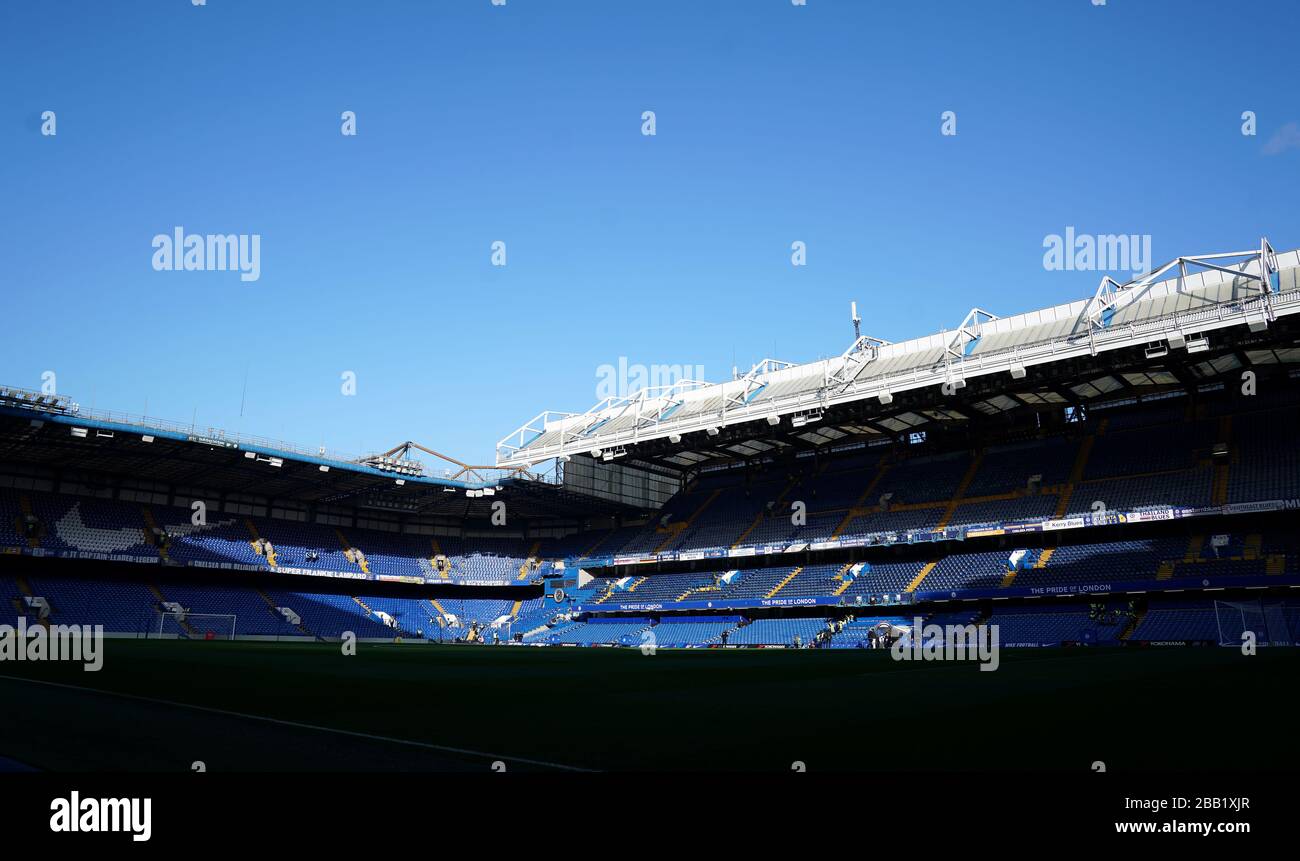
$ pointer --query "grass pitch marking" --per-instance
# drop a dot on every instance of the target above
(298, 725)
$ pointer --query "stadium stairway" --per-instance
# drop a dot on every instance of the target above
(1219, 486)
(966, 480)
(16, 598)
(845, 584)
(259, 547)
(785, 582)
(373, 616)
(162, 599)
(439, 560)
(1076, 471)
(1040, 562)
(1219, 491)
(275, 611)
(925, 572)
(761, 514)
(25, 503)
(1133, 623)
(151, 531)
(696, 590)
(592, 549)
(604, 595)
(676, 529)
(531, 562)
(351, 553)
(857, 508)
(1063, 493)
(26, 589)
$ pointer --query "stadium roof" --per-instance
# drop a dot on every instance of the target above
(54, 435)
(984, 366)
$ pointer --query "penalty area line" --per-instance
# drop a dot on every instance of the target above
(299, 725)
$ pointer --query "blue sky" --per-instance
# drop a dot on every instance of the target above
(522, 123)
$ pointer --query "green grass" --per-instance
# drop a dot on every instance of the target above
(1199, 708)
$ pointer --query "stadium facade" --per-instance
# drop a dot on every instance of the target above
(1118, 470)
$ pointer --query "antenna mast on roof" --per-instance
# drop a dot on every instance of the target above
(857, 321)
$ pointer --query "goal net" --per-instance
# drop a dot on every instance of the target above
(196, 626)
(1265, 620)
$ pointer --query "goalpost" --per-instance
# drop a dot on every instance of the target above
(1265, 620)
(197, 626)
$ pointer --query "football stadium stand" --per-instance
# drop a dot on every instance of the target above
(1124, 469)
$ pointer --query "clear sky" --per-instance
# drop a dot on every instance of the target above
(522, 123)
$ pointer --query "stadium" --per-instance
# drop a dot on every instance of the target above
(1108, 487)
(488, 426)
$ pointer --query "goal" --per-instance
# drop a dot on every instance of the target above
(1265, 620)
(197, 626)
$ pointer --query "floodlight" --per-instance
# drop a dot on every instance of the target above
(806, 417)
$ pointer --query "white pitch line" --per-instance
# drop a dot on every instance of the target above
(298, 725)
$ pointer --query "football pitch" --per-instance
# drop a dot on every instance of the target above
(248, 706)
